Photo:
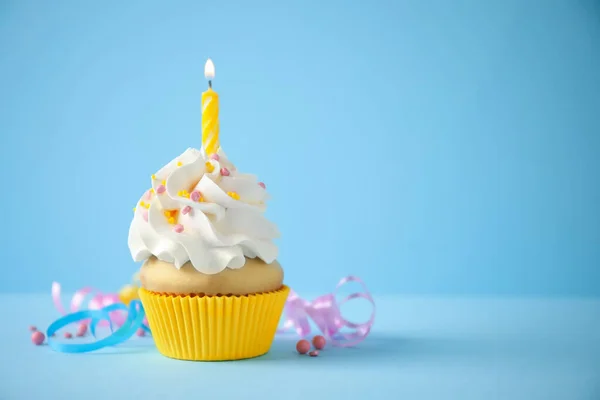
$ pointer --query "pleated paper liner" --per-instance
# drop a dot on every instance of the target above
(214, 328)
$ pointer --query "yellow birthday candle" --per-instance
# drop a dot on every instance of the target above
(210, 113)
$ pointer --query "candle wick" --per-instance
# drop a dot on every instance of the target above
(210, 84)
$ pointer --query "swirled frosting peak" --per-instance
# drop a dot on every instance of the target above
(201, 209)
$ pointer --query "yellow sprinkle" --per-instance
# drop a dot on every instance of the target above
(142, 203)
(201, 199)
(147, 206)
(179, 163)
(128, 293)
(133, 209)
(163, 182)
(153, 176)
(209, 167)
(234, 195)
(187, 195)
(152, 191)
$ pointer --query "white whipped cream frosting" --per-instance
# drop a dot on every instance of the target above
(216, 232)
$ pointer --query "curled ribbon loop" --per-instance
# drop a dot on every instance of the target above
(132, 323)
(325, 313)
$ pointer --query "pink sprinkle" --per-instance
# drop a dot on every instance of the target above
(262, 185)
(82, 329)
(68, 335)
(178, 228)
(160, 189)
(314, 353)
(37, 338)
(224, 171)
(186, 210)
(215, 157)
(140, 332)
(303, 346)
(319, 342)
(145, 215)
(148, 195)
(32, 328)
(195, 195)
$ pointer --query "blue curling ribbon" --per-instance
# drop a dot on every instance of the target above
(135, 317)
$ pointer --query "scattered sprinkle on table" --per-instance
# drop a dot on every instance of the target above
(319, 342)
(82, 329)
(303, 346)
(37, 338)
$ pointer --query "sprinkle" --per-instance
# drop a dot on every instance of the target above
(262, 185)
(179, 163)
(152, 191)
(81, 330)
(186, 210)
(147, 206)
(163, 182)
(196, 195)
(140, 332)
(145, 215)
(153, 177)
(37, 338)
(142, 203)
(215, 157)
(68, 335)
(32, 328)
(171, 216)
(133, 209)
(234, 195)
(314, 353)
(224, 171)
(209, 167)
(319, 342)
(303, 346)
(178, 228)
(161, 189)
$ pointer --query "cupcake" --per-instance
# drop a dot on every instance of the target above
(210, 282)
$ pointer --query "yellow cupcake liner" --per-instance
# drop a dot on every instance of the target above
(213, 328)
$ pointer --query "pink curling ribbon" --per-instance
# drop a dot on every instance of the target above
(99, 300)
(325, 312)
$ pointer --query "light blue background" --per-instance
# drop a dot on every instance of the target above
(431, 147)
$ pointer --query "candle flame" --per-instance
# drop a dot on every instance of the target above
(209, 69)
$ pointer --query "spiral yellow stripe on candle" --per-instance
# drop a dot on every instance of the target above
(210, 121)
